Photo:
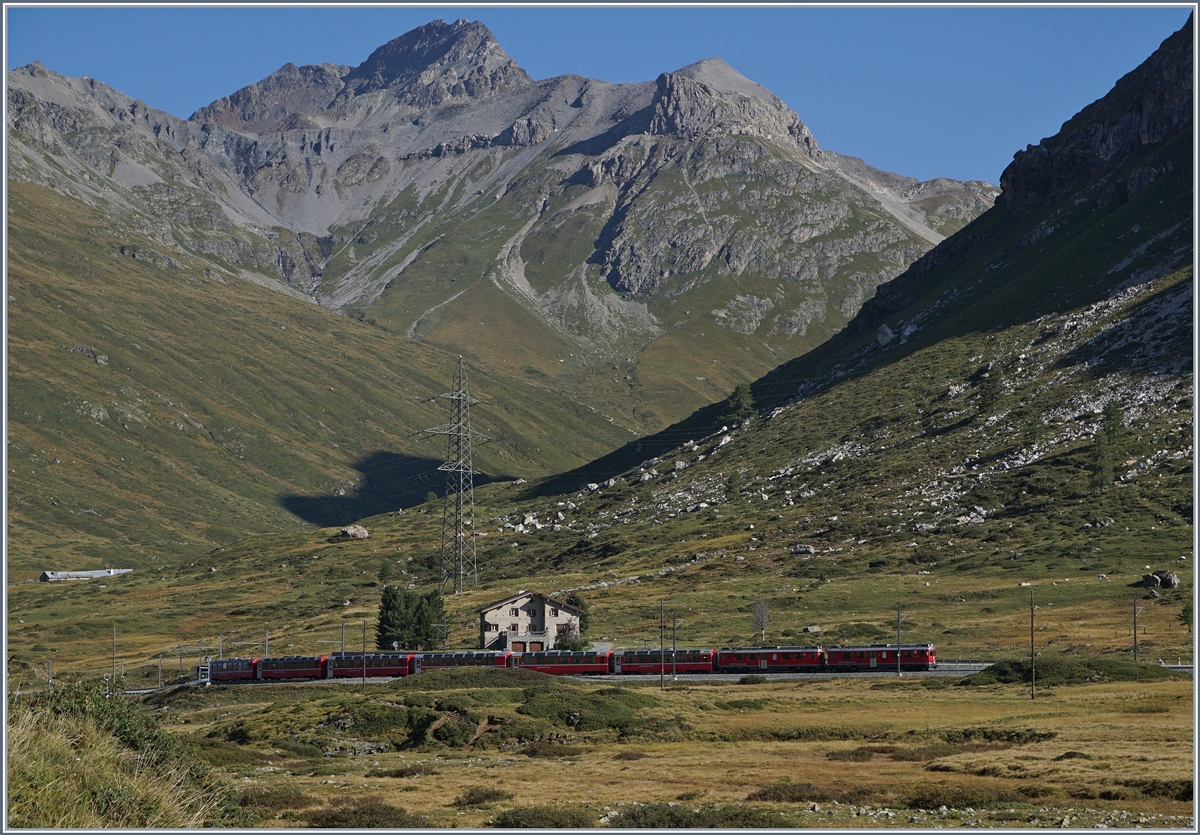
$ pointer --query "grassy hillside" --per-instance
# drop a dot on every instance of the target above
(944, 471)
(158, 408)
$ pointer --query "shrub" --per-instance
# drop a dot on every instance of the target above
(363, 813)
(665, 816)
(419, 770)
(933, 795)
(481, 795)
(794, 793)
(544, 817)
(753, 678)
(611, 707)
(301, 749)
(630, 755)
(1181, 790)
(1053, 672)
(455, 732)
(551, 749)
(277, 799)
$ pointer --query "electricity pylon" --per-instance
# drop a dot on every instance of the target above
(458, 509)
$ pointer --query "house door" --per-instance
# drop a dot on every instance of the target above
(536, 646)
(518, 646)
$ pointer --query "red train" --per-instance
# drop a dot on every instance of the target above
(882, 657)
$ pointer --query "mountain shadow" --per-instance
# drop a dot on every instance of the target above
(390, 481)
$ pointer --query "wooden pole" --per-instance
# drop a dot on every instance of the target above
(662, 668)
(1032, 671)
(364, 655)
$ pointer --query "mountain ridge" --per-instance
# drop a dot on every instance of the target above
(628, 223)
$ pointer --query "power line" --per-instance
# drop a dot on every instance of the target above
(458, 508)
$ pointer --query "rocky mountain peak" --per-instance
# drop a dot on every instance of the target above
(273, 103)
(711, 96)
(1146, 106)
(438, 62)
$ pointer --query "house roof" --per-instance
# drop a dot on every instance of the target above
(552, 600)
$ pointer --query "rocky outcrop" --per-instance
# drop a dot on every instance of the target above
(436, 63)
(1161, 579)
(686, 106)
(274, 103)
(1147, 106)
(429, 66)
(1090, 158)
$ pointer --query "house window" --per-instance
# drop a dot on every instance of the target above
(514, 628)
(491, 627)
(514, 613)
(554, 613)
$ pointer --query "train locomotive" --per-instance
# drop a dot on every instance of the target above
(837, 659)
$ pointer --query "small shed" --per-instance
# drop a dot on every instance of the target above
(527, 621)
(56, 576)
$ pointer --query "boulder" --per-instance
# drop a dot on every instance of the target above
(1151, 580)
(355, 532)
(1167, 579)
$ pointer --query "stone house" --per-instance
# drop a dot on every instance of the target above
(527, 621)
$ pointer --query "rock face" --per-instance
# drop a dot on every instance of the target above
(1106, 155)
(1146, 107)
(426, 67)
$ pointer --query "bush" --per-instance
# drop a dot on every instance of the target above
(544, 817)
(551, 749)
(301, 749)
(630, 755)
(795, 793)
(665, 816)
(419, 770)
(277, 799)
(1053, 672)
(480, 796)
(611, 707)
(752, 678)
(933, 795)
(364, 813)
(455, 732)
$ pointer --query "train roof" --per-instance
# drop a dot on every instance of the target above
(769, 649)
(881, 646)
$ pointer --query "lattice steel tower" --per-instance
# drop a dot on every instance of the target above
(458, 510)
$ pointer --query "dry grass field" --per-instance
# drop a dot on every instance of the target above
(811, 753)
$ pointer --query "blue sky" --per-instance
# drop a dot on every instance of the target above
(920, 91)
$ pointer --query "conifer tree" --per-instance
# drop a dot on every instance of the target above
(740, 404)
(573, 599)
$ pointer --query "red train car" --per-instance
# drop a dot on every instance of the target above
(351, 664)
(563, 662)
(290, 666)
(743, 660)
(652, 661)
(882, 657)
(232, 669)
(439, 660)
